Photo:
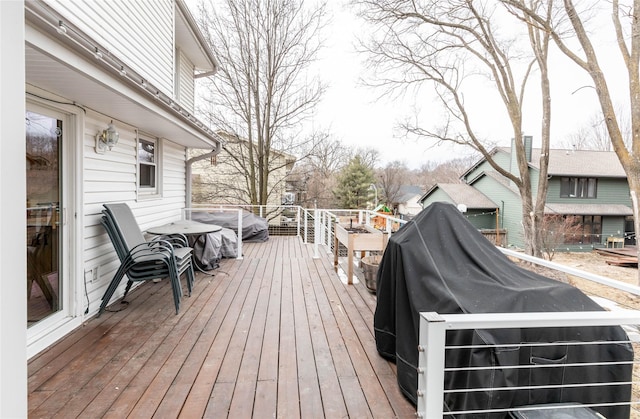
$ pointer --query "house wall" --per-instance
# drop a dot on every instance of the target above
(612, 227)
(499, 157)
(482, 219)
(610, 191)
(411, 207)
(185, 83)
(112, 177)
(91, 179)
(135, 31)
(438, 195)
(510, 210)
(477, 217)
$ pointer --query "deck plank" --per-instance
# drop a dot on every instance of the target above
(91, 367)
(274, 334)
(328, 379)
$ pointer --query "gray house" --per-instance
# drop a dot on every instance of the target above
(589, 187)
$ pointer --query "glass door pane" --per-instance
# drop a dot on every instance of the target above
(44, 235)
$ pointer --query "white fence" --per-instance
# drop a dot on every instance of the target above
(312, 225)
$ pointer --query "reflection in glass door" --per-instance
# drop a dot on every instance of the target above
(44, 233)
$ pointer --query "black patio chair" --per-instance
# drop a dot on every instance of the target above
(142, 260)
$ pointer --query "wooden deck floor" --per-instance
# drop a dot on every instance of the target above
(276, 334)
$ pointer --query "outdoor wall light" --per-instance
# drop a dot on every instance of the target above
(106, 139)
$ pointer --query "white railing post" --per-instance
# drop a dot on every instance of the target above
(323, 214)
(316, 230)
(239, 249)
(431, 351)
(298, 215)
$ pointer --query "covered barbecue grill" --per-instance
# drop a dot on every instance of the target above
(438, 262)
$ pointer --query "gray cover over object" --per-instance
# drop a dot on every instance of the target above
(209, 248)
(254, 228)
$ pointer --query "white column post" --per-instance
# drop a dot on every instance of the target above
(431, 349)
(316, 233)
(299, 212)
(13, 257)
(239, 247)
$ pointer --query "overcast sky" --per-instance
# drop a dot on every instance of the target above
(355, 113)
(356, 116)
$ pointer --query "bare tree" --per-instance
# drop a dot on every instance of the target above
(391, 179)
(592, 136)
(368, 156)
(445, 46)
(558, 230)
(315, 176)
(626, 25)
(263, 91)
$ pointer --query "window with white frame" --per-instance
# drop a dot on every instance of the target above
(148, 166)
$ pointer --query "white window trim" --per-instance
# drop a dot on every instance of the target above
(144, 193)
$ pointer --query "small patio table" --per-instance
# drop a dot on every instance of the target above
(186, 227)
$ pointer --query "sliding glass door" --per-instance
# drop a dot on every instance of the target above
(46, 283)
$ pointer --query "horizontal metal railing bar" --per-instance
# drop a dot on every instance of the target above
(633, 289)
(524, 367)
(539, 320)
(539, 344)
(531, 408)
(544, 387)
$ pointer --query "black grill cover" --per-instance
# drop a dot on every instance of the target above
(438, 262)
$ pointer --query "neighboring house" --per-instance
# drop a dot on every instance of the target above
(222, 179)
(408, 204)
(590, 187)
(70, 70)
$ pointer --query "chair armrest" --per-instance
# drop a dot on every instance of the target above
(155, 249)
(177, 240)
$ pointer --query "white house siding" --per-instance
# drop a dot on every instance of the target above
(112, 177)
(411, 207)
(135, 31)
(185, 89)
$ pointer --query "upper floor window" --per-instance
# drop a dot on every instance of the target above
(578, 187)
(148, 166)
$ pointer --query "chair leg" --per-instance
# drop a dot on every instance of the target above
(190, 279)
(126, 290)
(177, 290)
(111, 289)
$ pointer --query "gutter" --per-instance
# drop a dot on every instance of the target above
(184, 9)
(189, 165)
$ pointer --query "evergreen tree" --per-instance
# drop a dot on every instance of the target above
(354, 185)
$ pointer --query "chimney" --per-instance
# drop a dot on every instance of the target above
(528, 145)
